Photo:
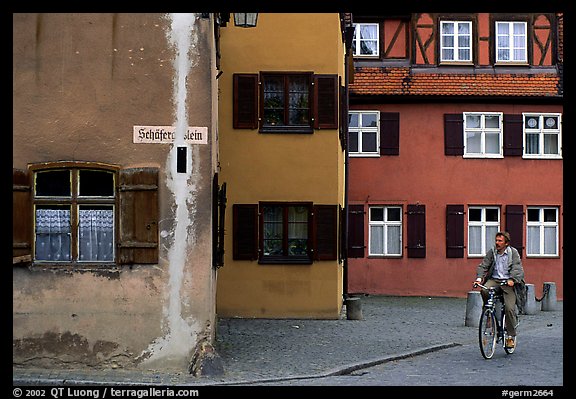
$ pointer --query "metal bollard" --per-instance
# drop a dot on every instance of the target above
(549, 296)
(354, 308)
(531, 307)
(473, 308)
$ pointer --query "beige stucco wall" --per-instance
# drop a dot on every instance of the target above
(279, 167)
(80, 84)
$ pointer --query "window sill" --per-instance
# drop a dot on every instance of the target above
(553, 157)
(287, 129)
(285, 261)
(479, 156)
(363, 155)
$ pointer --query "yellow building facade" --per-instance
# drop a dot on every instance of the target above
(282, 94)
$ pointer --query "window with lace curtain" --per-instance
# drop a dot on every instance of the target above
(385, 234)
(74, 215)
(542, 231)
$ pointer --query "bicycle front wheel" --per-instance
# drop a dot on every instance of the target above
(487, 333)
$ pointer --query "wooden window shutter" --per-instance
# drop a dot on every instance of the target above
(515, 226)
(416, 231)
(454, 231)
(513, 131)
(245, 231)
(21, 217)
(389, 133)
(453, 134)
(138, 216)
(325, 232)
(356, 231)
(326, 101)
(245, 102)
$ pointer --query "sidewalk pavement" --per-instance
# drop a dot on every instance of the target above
(268, 350)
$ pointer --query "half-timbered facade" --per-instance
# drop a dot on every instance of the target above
(455, 133)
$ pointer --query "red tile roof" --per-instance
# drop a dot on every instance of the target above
(401, 81)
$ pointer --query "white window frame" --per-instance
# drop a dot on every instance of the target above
(541, 131)
(511, 49)
(455, 37)
(367, 129)
(483, 224)
(541, 225)
(357, 40)
(386, 225)
(483, 130)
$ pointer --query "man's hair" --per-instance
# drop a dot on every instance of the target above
(504, 234)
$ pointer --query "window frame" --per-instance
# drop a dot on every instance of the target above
(511, 48)
(74, 202)
(541, 224)
(456, 59)
(359, 130)
(483, 131)
(357, 41)
(385, 224)
(541, 131)
(284, 127)
(483, 223)
(285, 258)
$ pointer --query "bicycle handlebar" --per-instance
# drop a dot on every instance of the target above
(487, 288)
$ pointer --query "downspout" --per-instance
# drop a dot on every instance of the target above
(348, 36)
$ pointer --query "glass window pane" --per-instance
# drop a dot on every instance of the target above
(53, 241)
(377, 240)
(492, 142)
(369, 120)
(473, 142)
(53, 183)
(474, 214)
(503, 41)
(448, 41)
(472, 121)
(551, 144)
(519, 55)
(550, 122)
(377, 214)
(519, 28)
(447, 27)
(531, 122)
(96, 233)
(448, 54)
(353, 141)
(369, 142)
(95, 183)
(503, 55)
(463, 54)
(533, 240)
(491, 215)
(475, 240)
(463, 28)
(490, 236)
(549, 215)
(532, 143)
(502, 28)
(533, 215)
(393, 240)
(550, 241)
(393, 214)
(492, 121)
(353, 120)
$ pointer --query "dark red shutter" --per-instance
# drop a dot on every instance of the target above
(245, 231)
(21, 217)
(245, 103)
(325, 232)
(389, 133)
(416, 231)
(513, 131)
(453, 134)
(138, 215)
(454, 231)
(326, 101)
(515, 226)
(356, 231)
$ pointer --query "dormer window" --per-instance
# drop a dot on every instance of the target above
(366, 41)
(456, 41)
(511, 42)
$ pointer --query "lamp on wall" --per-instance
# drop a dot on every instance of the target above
(245, 19)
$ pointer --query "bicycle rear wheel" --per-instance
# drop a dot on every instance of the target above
(487, 334)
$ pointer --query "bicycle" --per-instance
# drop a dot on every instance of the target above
(492, 327)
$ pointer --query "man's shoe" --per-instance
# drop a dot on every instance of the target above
(510, 342)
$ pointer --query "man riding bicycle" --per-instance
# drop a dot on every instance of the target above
(502, 264)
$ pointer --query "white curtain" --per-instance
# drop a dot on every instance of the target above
(96, 242)
(53, 234)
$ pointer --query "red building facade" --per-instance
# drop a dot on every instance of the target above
(455, 133)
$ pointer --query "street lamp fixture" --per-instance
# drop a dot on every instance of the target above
(245, 19)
